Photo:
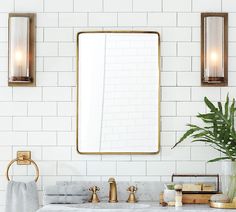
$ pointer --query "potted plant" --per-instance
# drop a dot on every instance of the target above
(219, 132)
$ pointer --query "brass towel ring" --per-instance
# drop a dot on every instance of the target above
(15, 160)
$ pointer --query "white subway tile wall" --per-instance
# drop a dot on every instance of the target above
(42, 119)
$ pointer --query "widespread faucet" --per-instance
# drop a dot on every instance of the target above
(112, 191)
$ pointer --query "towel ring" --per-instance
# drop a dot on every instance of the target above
(15, 160)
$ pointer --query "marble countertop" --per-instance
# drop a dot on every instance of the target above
(126, 207)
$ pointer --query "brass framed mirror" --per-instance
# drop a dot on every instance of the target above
(118, 92)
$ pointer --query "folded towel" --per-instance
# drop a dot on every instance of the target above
(64, 199)
(21, 197)
(58, 190)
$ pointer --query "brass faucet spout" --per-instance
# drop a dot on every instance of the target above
(112, 191)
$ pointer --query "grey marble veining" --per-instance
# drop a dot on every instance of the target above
(127, 207)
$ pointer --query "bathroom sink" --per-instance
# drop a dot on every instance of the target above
(113, 206)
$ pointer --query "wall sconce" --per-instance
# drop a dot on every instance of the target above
(21, 49)
(214, 49)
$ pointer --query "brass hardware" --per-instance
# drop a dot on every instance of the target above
(132, 198)
(77, 95)
(23, 158)
(31, 80)
(219, 81)
(221, 205)
(112, 191)
(94, 198)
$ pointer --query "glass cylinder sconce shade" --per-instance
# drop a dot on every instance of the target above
(21, 46)
(214, 49)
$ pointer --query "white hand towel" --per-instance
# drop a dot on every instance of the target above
(22, 197)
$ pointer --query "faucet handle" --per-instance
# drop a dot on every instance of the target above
(94, 189)
(94, 198)
(132, 189)
(132, 198)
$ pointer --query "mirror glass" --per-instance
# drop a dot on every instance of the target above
(118, 92)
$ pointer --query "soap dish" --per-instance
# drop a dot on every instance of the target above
(223, 205)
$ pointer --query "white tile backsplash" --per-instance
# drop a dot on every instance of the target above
(188, 79)
(56, 153)
(47, 20)
(72, 168)
(132, 19)
(6, 5)
(29, 5)
(58, 6)
(229, 5)
(176, 64)
(102, 19)
(42, 118)
(206, 5)
(27, 123)
(177, 5)
(176, 93)
(160, 168)
(56, 94)
(189, 19)
(189, 49)
(186, 167)
(131, 168)
(107, 168)
(117, 6)
(42, 138)
(148, 5)
(166, 19)
(27, 94)
(47, 49)
(88, 5)
(58, 34)
(73, 19)
(176, 34)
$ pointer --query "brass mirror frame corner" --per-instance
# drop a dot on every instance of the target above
(77, 95)
(225, 16)
(32, 46)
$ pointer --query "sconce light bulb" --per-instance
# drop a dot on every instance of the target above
(214, 57)
(18, 56)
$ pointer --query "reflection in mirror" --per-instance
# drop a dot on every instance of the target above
(118, 93)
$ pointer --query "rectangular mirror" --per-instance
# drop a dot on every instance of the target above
(118, 92)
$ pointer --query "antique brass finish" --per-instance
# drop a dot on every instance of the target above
(221, 205)
(32, 50)
(112, 191)
(94, 198)
(77, 95)
(132, 198)
(23, 158)
(224, 80)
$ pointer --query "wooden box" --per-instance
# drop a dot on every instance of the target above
(192, 198)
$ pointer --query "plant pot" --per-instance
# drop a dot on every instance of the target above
(229, 179)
